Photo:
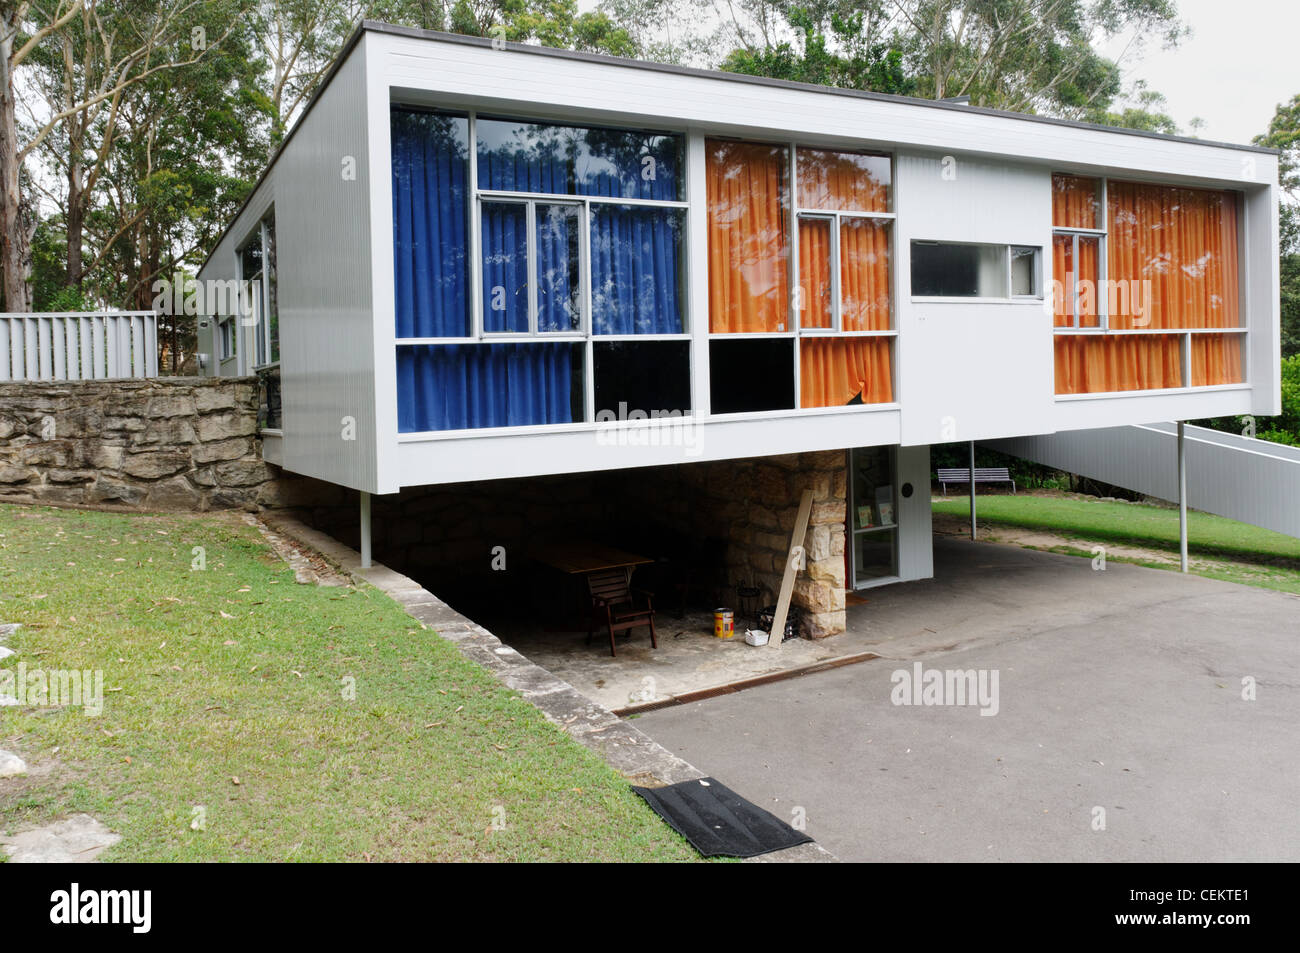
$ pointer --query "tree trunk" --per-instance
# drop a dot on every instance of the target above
(15, 242)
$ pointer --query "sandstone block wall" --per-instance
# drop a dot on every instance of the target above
(186, 443)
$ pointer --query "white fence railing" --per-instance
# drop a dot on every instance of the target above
(73, 346)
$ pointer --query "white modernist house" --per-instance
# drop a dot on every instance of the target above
(472, 261)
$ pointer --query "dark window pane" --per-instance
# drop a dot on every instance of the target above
(559, 281)
(747, 375)
(505, 266)
(466, 386)
(577, 160)
(958, 271)
(430, 224)
(645, 376)
(636, 270)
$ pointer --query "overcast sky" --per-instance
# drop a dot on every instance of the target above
(1242, 60)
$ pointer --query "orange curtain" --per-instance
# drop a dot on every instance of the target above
(748, 245)
(834, 371)
(864, 274)
(1065, 278)
(1092, 365)
(1074, 202)
(843, 181)
(815, 273)
(1184, 243)
(1216, 359)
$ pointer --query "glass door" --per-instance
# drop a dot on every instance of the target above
(873, 515)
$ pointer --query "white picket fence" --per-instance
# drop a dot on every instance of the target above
(73, 346)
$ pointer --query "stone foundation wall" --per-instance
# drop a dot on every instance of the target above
(752, 505)
(171, 443)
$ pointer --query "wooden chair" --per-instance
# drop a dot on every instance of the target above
(613, 595)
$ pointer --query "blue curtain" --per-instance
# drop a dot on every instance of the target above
(430, 248)
(635, 270)
(635, 279)
(466, 386)
(505, 266)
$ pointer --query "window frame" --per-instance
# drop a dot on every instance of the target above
(1007, 297)
(1102, 300)
(1101, 233)
(586, 333)
(261, 353)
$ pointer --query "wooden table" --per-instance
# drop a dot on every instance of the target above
(582, 556)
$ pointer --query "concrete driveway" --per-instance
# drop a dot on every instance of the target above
(1118, 690)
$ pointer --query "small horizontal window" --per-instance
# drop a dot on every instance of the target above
(967, 270)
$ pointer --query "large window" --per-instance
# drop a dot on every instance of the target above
(799, 277)
(521, 266)
(1145, 286)
(260, 306)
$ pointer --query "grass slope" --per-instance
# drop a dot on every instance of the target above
(237, 672)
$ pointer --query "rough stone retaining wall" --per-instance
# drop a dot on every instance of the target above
(172, 443)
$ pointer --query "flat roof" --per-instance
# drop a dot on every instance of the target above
(377, 26)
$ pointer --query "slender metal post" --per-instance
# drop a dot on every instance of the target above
(972, 489)
(365, 530)
(1182, 497)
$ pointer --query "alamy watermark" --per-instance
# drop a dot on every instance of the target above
(922, 686)
(53, 688)
(654, 428)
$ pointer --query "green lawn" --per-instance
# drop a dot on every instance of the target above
(224, 691)
(1219, 547)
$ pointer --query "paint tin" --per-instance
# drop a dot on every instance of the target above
(724, 623)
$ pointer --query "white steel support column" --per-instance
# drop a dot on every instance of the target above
(365, 530)
(1182, 497)
(972, 489)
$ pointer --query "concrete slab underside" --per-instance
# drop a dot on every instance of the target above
(1119, 689)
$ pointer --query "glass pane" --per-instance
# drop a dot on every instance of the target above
(1217, 359)
(864, 274)
(843, 181)
(578, 160)
(559, 276)
(505, 266)
(1173, 251)
(748, 199)
(1088, 280)
(959, 271)
(1064, 281)
(814, 300)
(1076, 202)
(635, 378)
(468, 386)
(750, 375)
(841, 371)
(250, 256)
(272, 293)
(636, 270)
(1097, 364)
(430, 224)
(1024, 272)
(874, 555)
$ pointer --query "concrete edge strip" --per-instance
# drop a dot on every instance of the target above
(622, 746)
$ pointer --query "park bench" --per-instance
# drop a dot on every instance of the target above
(982, 475)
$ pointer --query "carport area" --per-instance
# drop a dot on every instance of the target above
(1121, 732)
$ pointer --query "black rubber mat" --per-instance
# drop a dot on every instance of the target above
(719, 822)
